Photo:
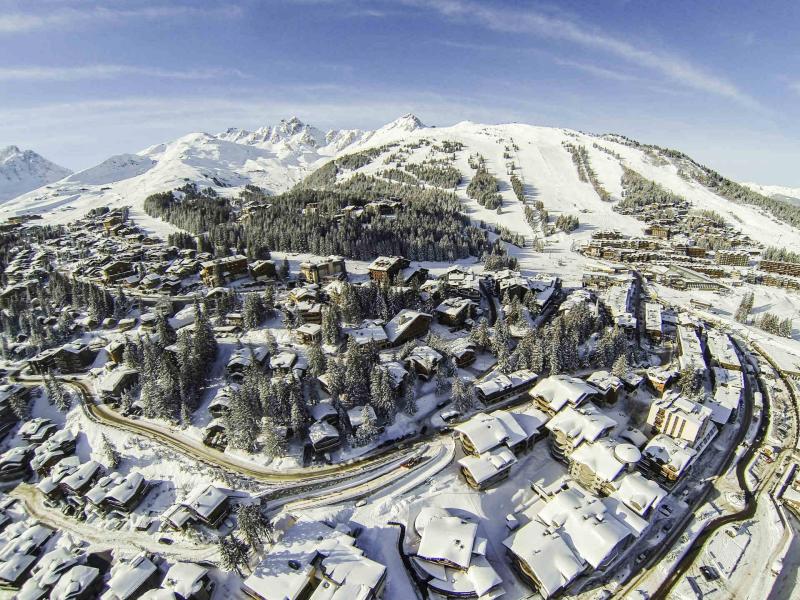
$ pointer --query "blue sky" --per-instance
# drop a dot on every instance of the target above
(80, 81)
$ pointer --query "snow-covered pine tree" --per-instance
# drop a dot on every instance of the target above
(108, 453)
(316, 360)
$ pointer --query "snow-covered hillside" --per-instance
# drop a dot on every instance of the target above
(25, 170)
(277, 157)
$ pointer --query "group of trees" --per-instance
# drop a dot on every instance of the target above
(484, 187)
(780, 255)
(580, 157)
(567, 223)
(775, 325)
(171, 381)
(639, 193)
(438, 173)
(564, 344)
(745, 307)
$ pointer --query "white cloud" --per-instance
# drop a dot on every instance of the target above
(505, 20)
(24, 22)
(109, 71)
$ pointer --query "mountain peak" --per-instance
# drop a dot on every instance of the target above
(408, 122)
(24, 170)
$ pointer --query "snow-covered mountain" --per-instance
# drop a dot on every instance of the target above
(791, 195)
(277, 157)
(25, 170)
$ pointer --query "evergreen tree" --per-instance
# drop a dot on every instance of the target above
(242, 422)
(283, 269)
(356, 375)
(442, 383)
(463, 399)
(252, 311)
(316, 360)
(255, 528)
(410, 399)
(268, 302)
(165, 331)
(109, 454)
(621, 367)
(330, 326)
(274, 443)
(232, 553)
(368, 430)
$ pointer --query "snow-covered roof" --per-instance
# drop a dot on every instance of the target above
(487, 465)
(448, 539)
(585, 423)
(638, 493)
(185, 578)
(81, 475)
(129, 576)
(676, 454)
(721, 348)
(599, 457)
(322, 410)
(204, 499)
(75, 582)
(484, 432)
(110, 382)
(286, 572)
(498, 382)
(320, 431)
(604, 381)
(369, 332)
(402, 321)
(584, 520)
(547, 555)
(283, 360)
(558, 390)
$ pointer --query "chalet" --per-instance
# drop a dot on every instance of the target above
(81, 582)
(48, 571)
(218, 271)
(424, 361)
(118, 492)
(516, 430)
(309, 334)
(36, 431)
(454, 311)
(205, 505)
(80, 480)
(283, 362)
(58, 446)
(638, 493)
(116, 383)
(215, 434)
(221, 401)
(553, 393)
(263, 269)
(371, 332)
(117, 270)
(313, 560)
(463, 352)
(666, 460)
(447, 551)
(609, 387)
(49, 486)
(573, 532)
(387, 268)
(15, 463)
(243, 358)
(487, 469)
(309, 312)
(132, 578)
(596, 465)
(407, 325)
(330, 268)
(499, 386)
(653, 323)
(189, 581)
(462, 282)
(323, 436)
